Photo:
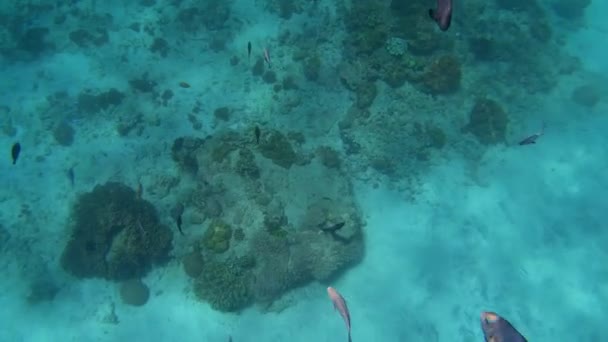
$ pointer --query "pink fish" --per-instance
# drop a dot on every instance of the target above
(267, 57)
(340, 305)
(442, 14)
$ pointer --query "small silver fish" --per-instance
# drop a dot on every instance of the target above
(532, 139)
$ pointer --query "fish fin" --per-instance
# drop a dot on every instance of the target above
(432, 14)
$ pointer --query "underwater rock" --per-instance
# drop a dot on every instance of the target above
(134, 292)
(114, 235)
(488, 122)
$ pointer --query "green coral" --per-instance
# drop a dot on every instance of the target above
(115, 235)
(488, 122)
(217, 237)
(276, 147)
(225, 285)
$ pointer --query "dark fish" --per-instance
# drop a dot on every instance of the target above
(15, 152)
(532, 139)
(184, 84)
(331, 228)
(498, 329)
(229, 338)
(248, 50)
(178, 222)
(267, 57)
(257, 133)
(442, 14)
(140, 191)
(70, 174)
(176, 213)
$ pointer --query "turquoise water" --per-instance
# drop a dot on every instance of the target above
(370, 151)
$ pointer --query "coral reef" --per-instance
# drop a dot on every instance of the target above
(193, 263)
(265, 221)
(396, 46)
(225, 285)
(488, 122)
(246, 166)
(312, 67)
(90, 103)
(222, 113)
(442, 76)
(276, 147)
(115, 235)
(321, 257)
(217, 236)
(570, 9)
(366, 23)
(64, 133)
(182, 152)
(586, 95)
(273, 276)
(329, 157)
